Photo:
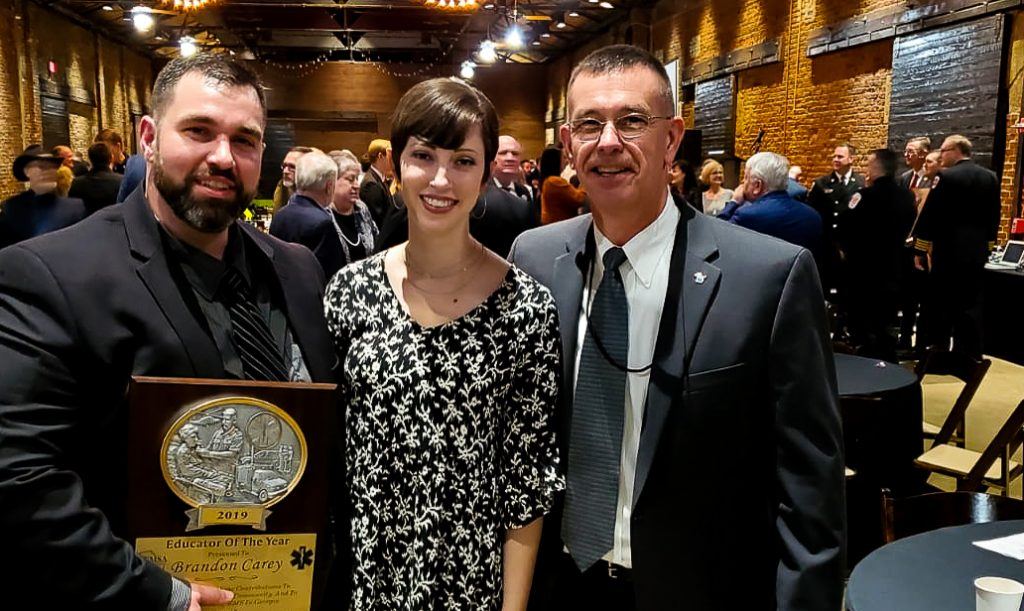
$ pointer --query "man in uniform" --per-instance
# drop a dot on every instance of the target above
(872, 238)
(828, 196)
(166, 284)
(955, 232)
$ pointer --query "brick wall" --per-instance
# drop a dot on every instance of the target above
(517, 92)
(105, 80)
(805, 105)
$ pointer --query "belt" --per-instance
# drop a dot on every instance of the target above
(615, 572)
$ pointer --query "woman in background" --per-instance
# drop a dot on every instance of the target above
(715, 196)
(559, 200)
(355, 226)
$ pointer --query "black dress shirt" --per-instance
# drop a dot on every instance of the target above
(205, 274)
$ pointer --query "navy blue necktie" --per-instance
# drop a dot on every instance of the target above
(598, 415)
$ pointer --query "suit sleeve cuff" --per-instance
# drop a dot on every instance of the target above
(181, 595)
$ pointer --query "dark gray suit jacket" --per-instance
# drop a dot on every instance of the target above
(739, 478)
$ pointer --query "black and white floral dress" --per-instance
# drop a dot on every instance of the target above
(449, 437)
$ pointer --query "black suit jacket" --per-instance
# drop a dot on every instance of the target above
(304, 222)
(377, 197)
(498, 219)
(27, 215)
(873, 233)
(81, 311)
(97, 189)
(751, 396)
(959, 222)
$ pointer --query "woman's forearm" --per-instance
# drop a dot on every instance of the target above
(520, 556)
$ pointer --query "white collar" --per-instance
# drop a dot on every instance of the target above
(646, 250)
(378, 173)
(510, 187)
(844, 177)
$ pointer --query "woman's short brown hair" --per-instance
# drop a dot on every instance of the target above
(441, 112)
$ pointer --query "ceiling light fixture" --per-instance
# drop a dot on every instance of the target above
(545, 35)
(107, 7)
(536, 43)
(574, 14)
(560, 25)
(187, 46)
(606, 5)
(468, 69)
(486, 54)
(514, 37)
(142, 18)
(455, 5)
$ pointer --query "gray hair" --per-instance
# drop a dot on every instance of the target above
(313, 170)
(615, 59)
(771, 168)
(346, 161)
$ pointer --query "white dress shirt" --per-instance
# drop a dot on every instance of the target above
(645, 279)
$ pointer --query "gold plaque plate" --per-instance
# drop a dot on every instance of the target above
(266, 572)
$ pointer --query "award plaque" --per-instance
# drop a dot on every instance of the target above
(227, 485)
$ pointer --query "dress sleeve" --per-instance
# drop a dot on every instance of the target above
(531, 472)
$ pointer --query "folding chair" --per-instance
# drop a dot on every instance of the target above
(991, 467)
(964, 368)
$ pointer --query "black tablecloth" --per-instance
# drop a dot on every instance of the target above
(934, 571)
(1004, 333)
(881, 411)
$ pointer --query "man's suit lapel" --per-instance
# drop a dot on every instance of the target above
(693, 282)
(144, 242)
(310, 332)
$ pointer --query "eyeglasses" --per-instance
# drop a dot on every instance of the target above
(287, 166)
(629, 127)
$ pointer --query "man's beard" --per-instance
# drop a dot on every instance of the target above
(205, 215)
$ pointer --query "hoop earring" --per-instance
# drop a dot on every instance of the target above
(482, 213)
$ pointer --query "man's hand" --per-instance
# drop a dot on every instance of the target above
(203, 594)
(737, 194)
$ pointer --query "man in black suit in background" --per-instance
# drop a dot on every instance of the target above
(152, 286)
(914, 153)
(954, 235)
(38, 209)
(828, 196)
(99, 186)
(375, 189)
(507, 172)
(665, 388)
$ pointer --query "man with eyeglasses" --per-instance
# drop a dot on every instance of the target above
(693, 349)
(954, 234)
(286, 186)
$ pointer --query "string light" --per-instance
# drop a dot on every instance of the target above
(487, 53)
(187, 46)
(467, 70)
(142, 18)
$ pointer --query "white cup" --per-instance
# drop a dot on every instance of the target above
(998, 594)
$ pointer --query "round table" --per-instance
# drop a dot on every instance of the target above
(858, 375)
(934, 571)
(880, 404)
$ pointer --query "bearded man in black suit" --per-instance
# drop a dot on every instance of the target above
(141, 288)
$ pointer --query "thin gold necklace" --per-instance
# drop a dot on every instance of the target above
(458, 289)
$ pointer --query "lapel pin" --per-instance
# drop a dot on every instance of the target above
(700, 277)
